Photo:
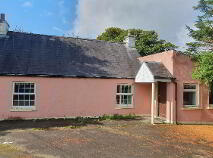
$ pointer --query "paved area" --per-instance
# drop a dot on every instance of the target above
(104, 139)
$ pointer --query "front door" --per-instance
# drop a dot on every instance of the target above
(162, 98)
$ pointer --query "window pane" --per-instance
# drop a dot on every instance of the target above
(27, 90)
(21, 103)
(15, 103)
(16, 87)
(27, 103)
(27, 85)
(189, 86)
(122, 99)
(15, 97)
(32, 97)
(26, 97)
(129, 99)
(32, 103)
(21, 97)
(21, 88)
(130, 89)
(189, 98)
(118, 88)
(125, 99)
(125, 89)
(32, 85)
(117, 99)
(31, 90)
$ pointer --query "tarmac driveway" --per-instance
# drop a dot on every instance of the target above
(104, 139)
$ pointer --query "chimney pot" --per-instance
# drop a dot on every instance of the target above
(130, 41)
(4, 27)
(3, 17)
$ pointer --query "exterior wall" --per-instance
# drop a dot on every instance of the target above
(70, 97)
(181, 67)
(165, 57)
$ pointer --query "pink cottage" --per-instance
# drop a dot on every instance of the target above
(52, 77)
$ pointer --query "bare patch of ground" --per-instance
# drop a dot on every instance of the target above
(11, 151)
(109, 138)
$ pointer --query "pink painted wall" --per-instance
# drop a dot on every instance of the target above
(181, 67)
(69, 97)
(165, 57)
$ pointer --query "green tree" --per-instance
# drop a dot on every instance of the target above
(203, 34)
(204, 68)
(202, 48)
(147, 42)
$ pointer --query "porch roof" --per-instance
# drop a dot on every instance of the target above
(153, 72)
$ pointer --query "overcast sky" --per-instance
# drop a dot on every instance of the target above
(88, 18)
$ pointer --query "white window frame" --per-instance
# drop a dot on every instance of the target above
(23, 108)
(192, 90)
(121, 94)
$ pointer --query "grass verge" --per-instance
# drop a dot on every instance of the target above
(118, 117)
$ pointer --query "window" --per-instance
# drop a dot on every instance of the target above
(190, 95)
(124, 95)
(23, 94)
(211, 96)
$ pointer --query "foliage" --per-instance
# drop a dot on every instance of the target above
(113, 34)
(202, 48)
(118, 117)
(147, 42)
(40, 129)
(204, 68)
(203, 34)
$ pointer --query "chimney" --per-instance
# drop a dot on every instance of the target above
(130, 41)
(3, 17)
(4, 27)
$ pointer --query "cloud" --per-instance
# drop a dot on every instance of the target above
(64, 20)
(58, 29)
(167, 17)
(46, 13)
(27, 4)
(49, 13)
(62, 11)
(61, 7)
(183, 38)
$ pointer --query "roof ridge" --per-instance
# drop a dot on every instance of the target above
(68, 37)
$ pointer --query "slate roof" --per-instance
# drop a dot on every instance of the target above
(159, 71)
(41, 55)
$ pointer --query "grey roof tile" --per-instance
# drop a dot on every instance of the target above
(34, 54)
(159, 70)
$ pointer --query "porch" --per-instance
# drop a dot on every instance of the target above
(163, 93)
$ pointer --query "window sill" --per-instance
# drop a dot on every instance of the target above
(22, 109)
(192, 108)
(210, 107)
(123, 107)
